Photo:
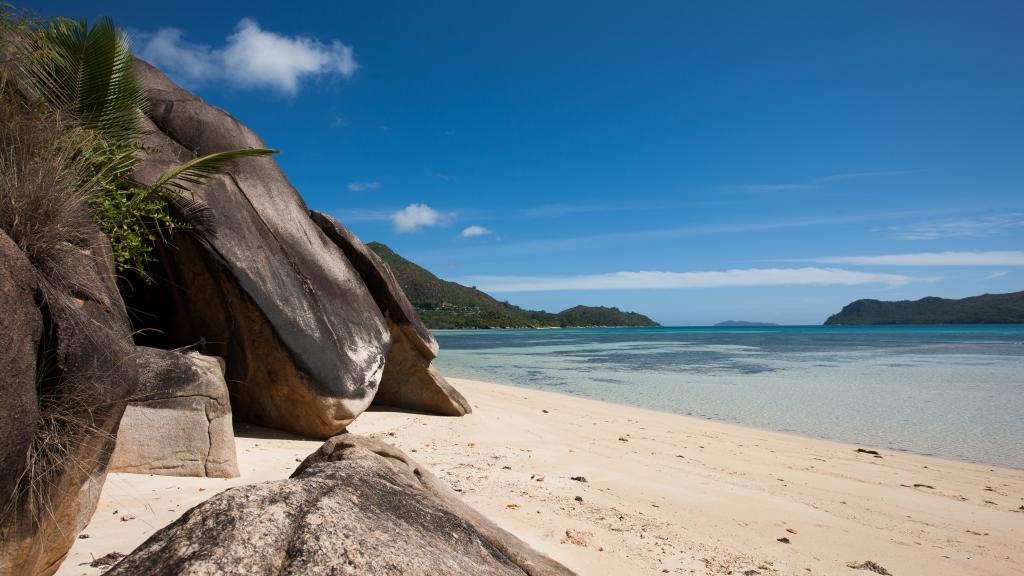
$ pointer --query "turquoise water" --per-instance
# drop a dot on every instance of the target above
(950, 391)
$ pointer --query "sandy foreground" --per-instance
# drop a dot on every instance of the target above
(663, 493)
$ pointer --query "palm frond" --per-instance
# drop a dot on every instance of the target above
(197, 213)
(88, 72)
(196, 172)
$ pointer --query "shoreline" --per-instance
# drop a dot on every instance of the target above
(752, 429)
(663, 492)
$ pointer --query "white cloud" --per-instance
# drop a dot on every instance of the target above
(666, 280)
(416, 216)
(995, 275)
(363, 186)
(993, 258)
(250, 58)
(982, 226)
(473, 231)
(191, 62)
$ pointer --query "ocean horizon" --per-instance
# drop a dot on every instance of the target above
(951, 391)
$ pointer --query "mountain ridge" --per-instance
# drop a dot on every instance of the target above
(983, 309)
(445, 304)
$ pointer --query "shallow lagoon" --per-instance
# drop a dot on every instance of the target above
(951, 391)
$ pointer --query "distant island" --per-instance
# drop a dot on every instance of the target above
(984, 309)
(740, 323)
(444, 304)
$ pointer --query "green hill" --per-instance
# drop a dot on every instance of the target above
(444, 304)
(984, 309)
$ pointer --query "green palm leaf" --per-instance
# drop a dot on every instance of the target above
(88, 72)
(176, 185)
(195, 172)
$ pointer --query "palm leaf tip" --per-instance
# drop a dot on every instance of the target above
(197, 171)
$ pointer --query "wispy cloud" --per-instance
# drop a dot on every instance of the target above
(977, 227)
(359, 215)
(990, 258)
(250, 58)
(593, 241)
(474, 231)
(771, 187)
(416, 216)
(995, 275)
(557, 210)
(862, 175)
(817, 182)
(654, 280)
(567, 209)
(363, 186)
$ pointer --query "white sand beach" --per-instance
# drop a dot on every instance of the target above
(663, 493)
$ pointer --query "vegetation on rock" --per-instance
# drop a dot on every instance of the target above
(984, 309)
(76, 82)
(71, 113)
(444, 304)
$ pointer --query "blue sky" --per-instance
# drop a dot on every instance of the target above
(694, 161)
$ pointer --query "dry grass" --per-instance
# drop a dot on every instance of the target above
(45, 187)
(44, 182)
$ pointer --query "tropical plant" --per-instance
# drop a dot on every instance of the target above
(87, 72)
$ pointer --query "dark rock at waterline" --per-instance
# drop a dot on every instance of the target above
(302, 338)
(355, 506)
(82, 375)
(409, 381)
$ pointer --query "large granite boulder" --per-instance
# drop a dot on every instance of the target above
(356, 506)
(409, 381)
(179, 420)
(20, 335)
(82, 373)
(264, 288)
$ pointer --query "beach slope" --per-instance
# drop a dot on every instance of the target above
(611, 489)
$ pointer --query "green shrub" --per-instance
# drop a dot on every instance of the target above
(85, 76)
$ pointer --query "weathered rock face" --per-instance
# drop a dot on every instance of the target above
(409, 381)
(19, 342)
(179, 420)
(303, 341)
(83, 379)
(387, 293)
(356, 506)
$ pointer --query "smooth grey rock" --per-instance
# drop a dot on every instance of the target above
(377, 276)
(179, 420)
(409, 381)
(303, 341)
(357, 506)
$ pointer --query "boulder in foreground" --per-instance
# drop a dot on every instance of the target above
(179, 421)
(357, 506)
